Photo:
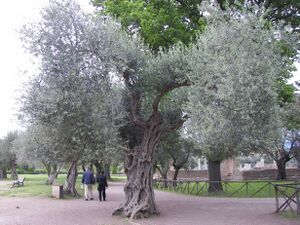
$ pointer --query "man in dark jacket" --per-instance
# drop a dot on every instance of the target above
(88, 180)
(102, 185)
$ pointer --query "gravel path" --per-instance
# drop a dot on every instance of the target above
(175, 209)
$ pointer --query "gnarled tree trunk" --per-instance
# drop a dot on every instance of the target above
(214, 176)
(281, 168)
(71, 179)
(139, 201)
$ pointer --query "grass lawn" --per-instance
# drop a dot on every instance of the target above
(258, 189)
(289, 215)
(34, 185)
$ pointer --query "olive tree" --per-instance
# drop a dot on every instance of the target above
(147, 79)
(8, 154)
(42, 143)
(235, 64)
(75, 49)
(68, 91)
(284, 136)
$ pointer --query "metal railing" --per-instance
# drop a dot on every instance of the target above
(260, 188)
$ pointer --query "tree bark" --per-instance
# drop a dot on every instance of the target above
(98, 166)
(163, 172)
(164, 175)
(13, 161)
(176, 172)
(139, 201)
(4, 173)
(107, 170)
(281, 168)
(214, 176)
(53, 175)
(71, 179)
(48, 168)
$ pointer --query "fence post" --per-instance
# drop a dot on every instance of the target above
(276, 197)
(270, 189)
(297, 199)
(247, 191)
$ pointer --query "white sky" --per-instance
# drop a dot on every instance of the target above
(14, 60)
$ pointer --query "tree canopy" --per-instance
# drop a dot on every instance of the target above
(160, 23)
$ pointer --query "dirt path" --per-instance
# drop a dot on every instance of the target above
(175, 210)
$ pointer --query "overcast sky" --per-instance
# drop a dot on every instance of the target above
(14, 60)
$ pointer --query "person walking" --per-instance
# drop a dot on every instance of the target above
(102, 185)
(88, 180)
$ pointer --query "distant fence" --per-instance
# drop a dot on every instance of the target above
(287, 197)
(230, 188)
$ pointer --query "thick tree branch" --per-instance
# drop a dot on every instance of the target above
(135, 108)
(135, 100)
(167, 88)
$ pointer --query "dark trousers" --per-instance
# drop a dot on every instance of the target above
(102, 194)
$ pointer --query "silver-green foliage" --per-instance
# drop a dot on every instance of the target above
(72, 92)
(235, 64)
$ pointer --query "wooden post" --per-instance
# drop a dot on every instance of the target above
(297, 199)
(247, 191)
(276, 198)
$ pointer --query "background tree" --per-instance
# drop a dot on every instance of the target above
(4, 158)
(8, 154)
(284, 136)
(161, 23)
(176, 151)
(276, 11)
(42, 143)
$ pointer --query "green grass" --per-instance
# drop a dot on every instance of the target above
(118, 178)
(258, 189)
(289, 215)
(34, 185)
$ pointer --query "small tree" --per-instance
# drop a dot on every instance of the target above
(8, 154)
(42, 143)
(4, 158)
(284, 136)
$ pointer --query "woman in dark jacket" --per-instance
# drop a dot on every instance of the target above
(102, 185)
